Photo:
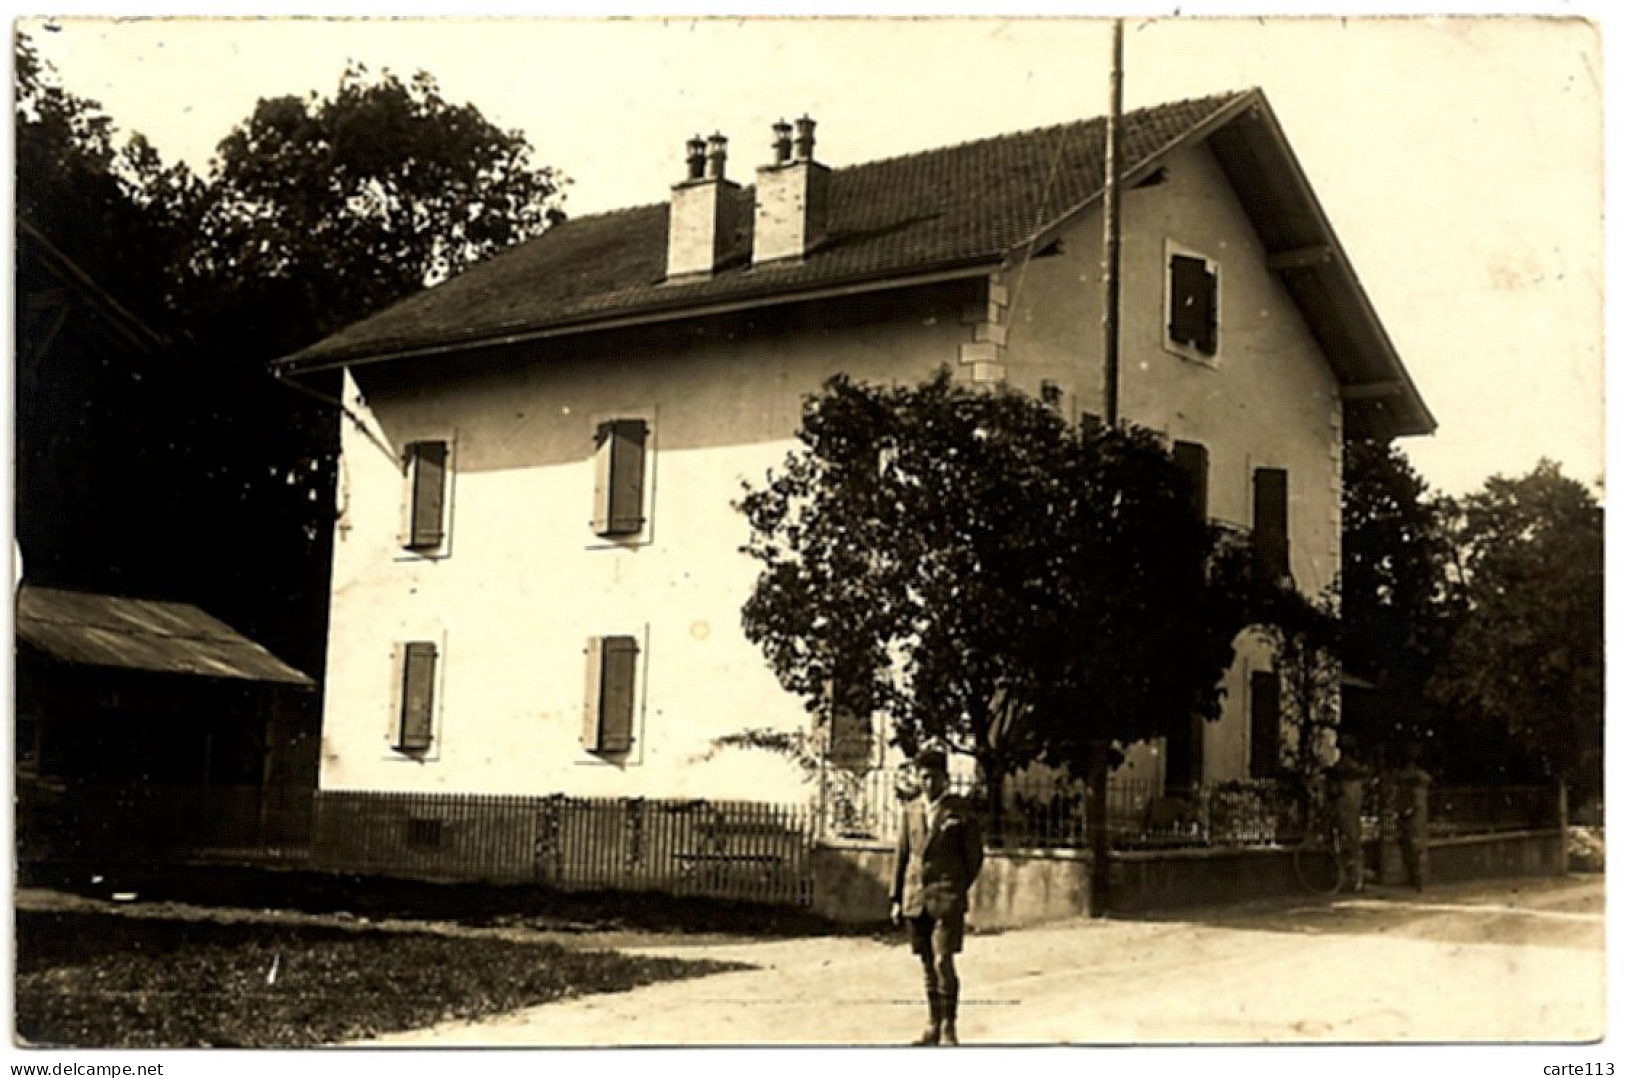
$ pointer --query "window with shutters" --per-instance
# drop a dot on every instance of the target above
(428, 486)
(1264, 759)
(415, 664)
(609, 719)
(1272, 543)
(1191, 322)
(1191, 460)
(621, 472)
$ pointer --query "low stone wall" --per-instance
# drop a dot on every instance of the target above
(853, 883)
(1507, 854)
(1152, 881)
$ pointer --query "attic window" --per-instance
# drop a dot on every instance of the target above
(1192, 306)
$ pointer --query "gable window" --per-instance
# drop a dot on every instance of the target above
(612, 669)
(618, 490)
(1264, 759)
(415, 671)
(1191, 460)
(426, 469)
(1272, 544)
(1192, 291)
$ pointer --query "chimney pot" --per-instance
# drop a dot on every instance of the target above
(804, 138)
(703, 219)
(716, 158)
(781, 143)
(696, 158)
(792, 197)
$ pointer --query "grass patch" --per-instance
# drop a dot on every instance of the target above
(92, 980)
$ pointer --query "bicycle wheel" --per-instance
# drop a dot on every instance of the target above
(1318, 867)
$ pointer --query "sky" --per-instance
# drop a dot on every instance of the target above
(1459, 159)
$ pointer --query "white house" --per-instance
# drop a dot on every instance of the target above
(536, 581)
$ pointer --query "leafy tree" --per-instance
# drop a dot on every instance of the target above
(989, 577)
(1306, 646)
(315, 212)
(1397, 605)
(1528, 658)
(115, 210)
(321, 210)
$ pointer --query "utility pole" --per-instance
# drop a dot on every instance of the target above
(1111, 278)
(1100, 763)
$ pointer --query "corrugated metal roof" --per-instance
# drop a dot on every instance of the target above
(91, 629)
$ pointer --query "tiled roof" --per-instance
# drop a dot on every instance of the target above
(956, 206)
(89, 629)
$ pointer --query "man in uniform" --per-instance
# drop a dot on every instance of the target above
(939, 853)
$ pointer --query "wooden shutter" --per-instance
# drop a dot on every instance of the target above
(618, 492)
(612, 663)
(1193, 304)
(620, 693)
(1207, 313)
(1271, 540)
(426, 464)
(1191, 460)
(594, 699)
(1265, 757)
(417, 696)
(1184, 760)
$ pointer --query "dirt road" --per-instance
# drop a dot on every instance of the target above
(1513, 961)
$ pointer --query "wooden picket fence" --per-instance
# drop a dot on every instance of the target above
(726, 849)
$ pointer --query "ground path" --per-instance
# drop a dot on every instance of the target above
(1507, 961)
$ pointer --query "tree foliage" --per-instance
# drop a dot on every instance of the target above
(989, 576)
(1527, 658)
(1398, 607)
(114, 209)
(1305, 641)
(314, 212)
(320, 210)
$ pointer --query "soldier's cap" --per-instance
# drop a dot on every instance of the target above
(932, 760)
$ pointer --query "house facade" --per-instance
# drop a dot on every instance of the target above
(537, 575)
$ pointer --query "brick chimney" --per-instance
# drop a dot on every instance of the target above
(703, 211)
(792, 196)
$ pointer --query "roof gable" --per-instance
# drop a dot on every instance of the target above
(956, 210)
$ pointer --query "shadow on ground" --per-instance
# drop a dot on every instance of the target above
(469, 904)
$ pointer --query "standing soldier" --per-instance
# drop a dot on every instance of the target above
(1411, 789)
(939, 853)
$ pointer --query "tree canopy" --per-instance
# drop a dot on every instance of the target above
(314, 212)
(990, 576)
(1398, 607)
(319, 210)
(1527, 658)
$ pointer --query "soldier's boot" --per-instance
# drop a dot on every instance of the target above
(950, 1015)
(933, 1032)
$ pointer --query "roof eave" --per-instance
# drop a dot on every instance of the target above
(678, 310)
(1336, 273)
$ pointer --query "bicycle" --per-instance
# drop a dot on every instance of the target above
(1318, 860)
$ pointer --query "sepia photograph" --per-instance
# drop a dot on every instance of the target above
(807, 532)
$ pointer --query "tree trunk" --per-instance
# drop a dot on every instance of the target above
(992, 775)
(1099, 836)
